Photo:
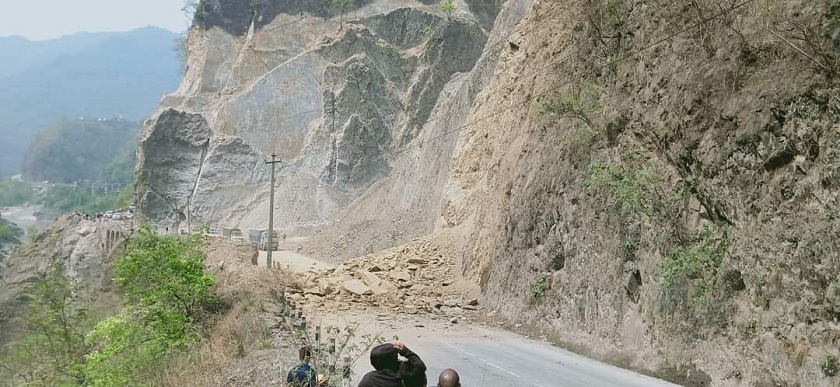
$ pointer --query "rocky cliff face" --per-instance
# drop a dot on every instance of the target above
(81, 249)
(652, 183)
(665, 193)
(335, 95)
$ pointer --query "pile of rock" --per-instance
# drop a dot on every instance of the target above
(409, 279)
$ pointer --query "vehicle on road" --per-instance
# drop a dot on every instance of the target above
(259, 238)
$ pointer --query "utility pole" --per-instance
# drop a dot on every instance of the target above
(270, 246)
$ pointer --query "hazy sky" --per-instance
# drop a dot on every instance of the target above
(47, 19)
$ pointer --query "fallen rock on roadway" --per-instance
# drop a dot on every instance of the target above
(413, 278)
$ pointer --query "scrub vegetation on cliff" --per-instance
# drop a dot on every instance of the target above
(168, 301)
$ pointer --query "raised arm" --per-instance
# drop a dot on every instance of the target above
(415, 361)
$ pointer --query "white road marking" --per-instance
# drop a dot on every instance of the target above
(509, 372)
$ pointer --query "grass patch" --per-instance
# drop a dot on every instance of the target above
(636, 189)
(539, 288)
(828, 364)
(700, 261)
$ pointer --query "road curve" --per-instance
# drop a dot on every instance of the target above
(483, 356)
(487, 357)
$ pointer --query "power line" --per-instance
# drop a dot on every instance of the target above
(539, 70)
(504, 40)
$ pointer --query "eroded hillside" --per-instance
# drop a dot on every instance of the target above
(653, 183)
(336, 98)
(668, 193)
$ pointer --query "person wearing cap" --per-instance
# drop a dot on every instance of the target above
(389, 371)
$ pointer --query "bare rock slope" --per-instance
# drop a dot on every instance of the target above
(654, 183)
(335, 95)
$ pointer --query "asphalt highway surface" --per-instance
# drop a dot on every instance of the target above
(483, 356)
(503, 363)
(487, 357)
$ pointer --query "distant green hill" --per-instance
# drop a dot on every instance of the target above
(74, 149)
(84, 75)
(29, 54)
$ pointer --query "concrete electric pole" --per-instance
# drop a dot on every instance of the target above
(269, 245)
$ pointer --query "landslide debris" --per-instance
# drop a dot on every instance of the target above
(420, 277)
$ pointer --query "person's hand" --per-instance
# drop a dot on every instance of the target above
(400, 347)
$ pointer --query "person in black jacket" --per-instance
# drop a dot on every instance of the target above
(389, 371)
(413, 375)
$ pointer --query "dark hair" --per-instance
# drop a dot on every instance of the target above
(305, 353)
(384, 356)
(412, 376)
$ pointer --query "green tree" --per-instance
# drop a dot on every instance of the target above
(6, 233)
(121, 168)
(635, 188)
(32, 233)
(129, 349)
(193, 9)
(447, 6)
(54, 345)
(179, 45)
(168, 295)
(165, 272)
(71, 150)
(125, 196)
(65, 199)
(255, 7)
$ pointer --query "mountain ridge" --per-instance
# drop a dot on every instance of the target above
(98, 75)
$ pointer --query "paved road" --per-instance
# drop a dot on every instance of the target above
(487, 357)
(484, 357)
(292, 261)
(504, 363)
